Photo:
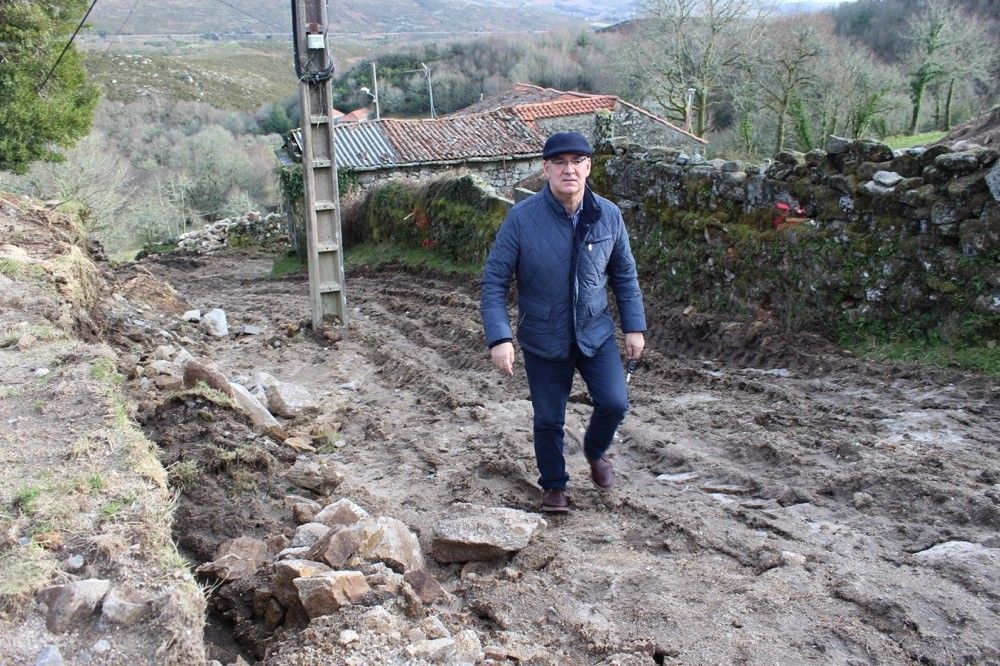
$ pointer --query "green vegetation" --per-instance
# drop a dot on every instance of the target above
(104, 370)
(286, 264)
(34, 121)
(908, 141)
(417, 258)
(26, 499)
(228, 75)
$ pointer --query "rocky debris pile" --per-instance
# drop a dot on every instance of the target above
(358, 583)
(250, 229)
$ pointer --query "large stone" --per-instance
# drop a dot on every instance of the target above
(876, 190)
(286, 571)
(214, 322)
(341, 513)
(308, 534)
(836, 144)
(195, 372)
(316, 472)
(124, 609)
(887, 178)
(73, 603)
(289, 400)
(161, 367)
(468, 648)
(236, 559)
(472, 532)
(336, 547)
(960, 162)
(328, 592)
(389, 541)
(993, 181)
(262, 419)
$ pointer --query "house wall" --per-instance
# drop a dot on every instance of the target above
(502, 175)
(623, 122)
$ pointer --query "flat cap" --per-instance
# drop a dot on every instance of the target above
(566, 142)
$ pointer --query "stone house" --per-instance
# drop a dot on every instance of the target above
(498, 146)
(597, 117)
(499, 138)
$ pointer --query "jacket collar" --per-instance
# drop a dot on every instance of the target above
(591, 210)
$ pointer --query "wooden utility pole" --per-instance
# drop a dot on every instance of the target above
(314, 67)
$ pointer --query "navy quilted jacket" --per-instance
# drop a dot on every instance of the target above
(562, 276)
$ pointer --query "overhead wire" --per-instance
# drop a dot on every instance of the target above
(66, 48)
(305, 74)
(135, 4)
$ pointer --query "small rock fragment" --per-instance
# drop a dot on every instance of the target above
(425, 585)
(74, 563)
(73, 603)
(49, 656)
(191, 315)
(348, 636)
(285, 573)
(328, 592)
(289, 400)
(102, 646)
(341, 513)
(318, 473)
(259, 416)
(122, 609)
(215, 324)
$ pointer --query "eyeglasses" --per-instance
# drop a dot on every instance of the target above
(562, 164)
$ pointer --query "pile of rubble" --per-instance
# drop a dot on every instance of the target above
(250, 229)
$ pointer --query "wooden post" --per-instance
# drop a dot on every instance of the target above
(327, 293)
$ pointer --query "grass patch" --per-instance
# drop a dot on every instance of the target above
(13, 268)
(104, 370)
(22, 571)
(286, 264)
(906, 141)
(379, 254)
(26, 500)
(976, 358)
(183, 474)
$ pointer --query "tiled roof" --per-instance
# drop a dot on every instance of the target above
(565, 107)
(490, 135)
(392, 142)
(519, 93)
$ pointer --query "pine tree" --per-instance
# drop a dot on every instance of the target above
(35, 124)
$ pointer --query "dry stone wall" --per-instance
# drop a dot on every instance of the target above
(856, 236)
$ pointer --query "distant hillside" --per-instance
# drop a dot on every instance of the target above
(384, 16)
(602, 12)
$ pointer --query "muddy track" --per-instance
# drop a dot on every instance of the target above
(776, 497)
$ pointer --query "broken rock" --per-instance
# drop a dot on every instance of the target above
(425, 585)
(124, 609)
(285, 573)
(259, 416)
(472, 532)
(214, 322)
(341, 513)
(237, 558)
(389, 541)
(289, 400)
(195, 372)
(336, 547)
(308, 534)
(73, 603)
(328, 592)
(318, 473)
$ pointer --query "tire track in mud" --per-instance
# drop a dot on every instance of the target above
(795, 477)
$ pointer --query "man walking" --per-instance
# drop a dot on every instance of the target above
(565, 245)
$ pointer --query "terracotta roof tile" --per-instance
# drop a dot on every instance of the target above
(565, 107)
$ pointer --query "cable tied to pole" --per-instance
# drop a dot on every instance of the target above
(306, 75)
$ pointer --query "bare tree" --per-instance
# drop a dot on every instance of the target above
(931, 33)
(787, 70)
(693, 44)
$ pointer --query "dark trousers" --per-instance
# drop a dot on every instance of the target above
(550, 383)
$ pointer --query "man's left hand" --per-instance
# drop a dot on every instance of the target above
(634, 344)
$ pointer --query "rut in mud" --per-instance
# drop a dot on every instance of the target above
(777, 502)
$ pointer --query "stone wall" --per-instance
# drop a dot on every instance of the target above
(855, 237)
(501, 176)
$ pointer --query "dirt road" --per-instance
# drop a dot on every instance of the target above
(777, 502)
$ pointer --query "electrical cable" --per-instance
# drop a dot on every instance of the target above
(246, 13)
(66, 48)
(312, 77)
(121, 27)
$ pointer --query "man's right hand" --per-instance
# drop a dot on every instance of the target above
(503, 357)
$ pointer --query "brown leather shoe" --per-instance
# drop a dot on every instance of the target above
(602, 473)
(555, 501)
